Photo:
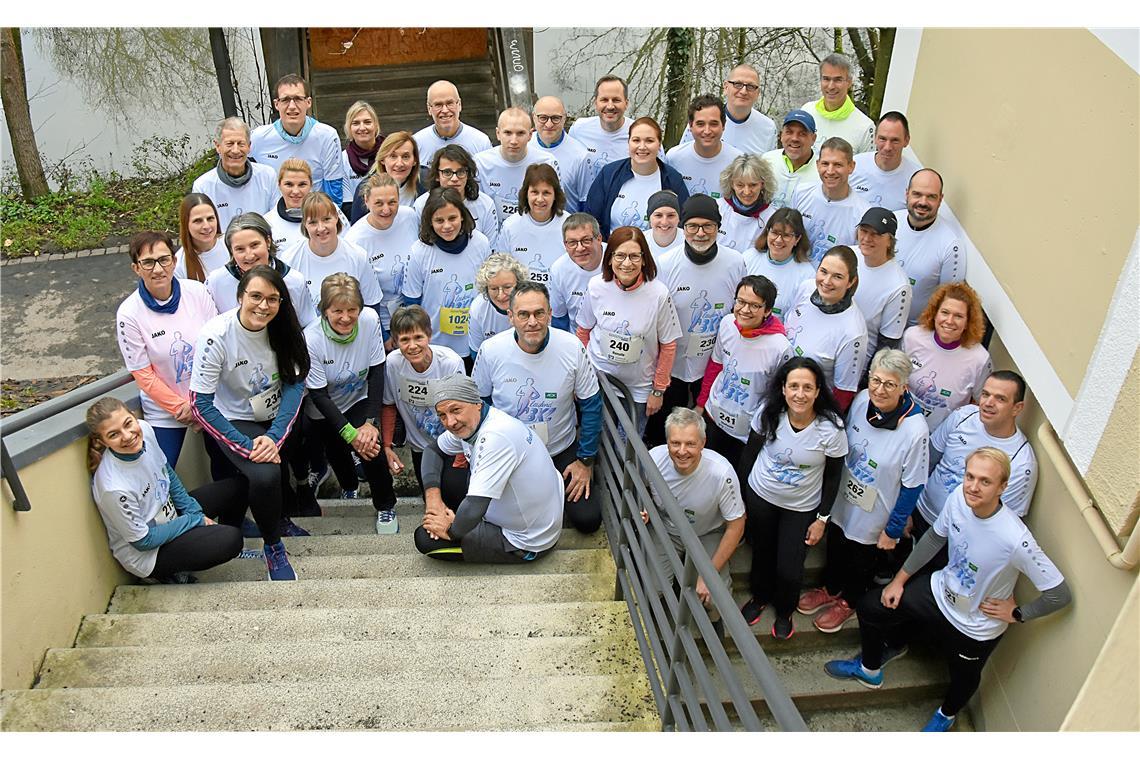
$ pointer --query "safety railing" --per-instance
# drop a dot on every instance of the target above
(690, 695)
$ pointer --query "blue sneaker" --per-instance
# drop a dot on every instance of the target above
(350, 493)
(320, 476)
(938, 722)
(249, 529)
(290, 528)
(853, 669)
(277, 562)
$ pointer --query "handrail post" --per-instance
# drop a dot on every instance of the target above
(20, 501)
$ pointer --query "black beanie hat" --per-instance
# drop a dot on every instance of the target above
(700, 207)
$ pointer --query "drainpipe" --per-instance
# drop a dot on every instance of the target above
(518, 70)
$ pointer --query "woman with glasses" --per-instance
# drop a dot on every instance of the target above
(747, 186)
(782, 253)
(495, 280)
(534, 235)
(362, 128)
(886, 468)
(157, 328)
(399, 158)
(202, 248)
(453, 167)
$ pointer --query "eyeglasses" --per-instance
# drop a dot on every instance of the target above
(290, 99)
(748, 305)
(831, 80)
(257, 299)
(746, 86)
(448, 104)
(583, 243)
(162, 261)
(452, 173)
(526, 316)
(781, 235)
(693, 227)
(890, 386)
(633, 258)
(551, 118)
(500, 288)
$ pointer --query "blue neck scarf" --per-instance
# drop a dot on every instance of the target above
(454, 246)
(310, 122)
(152, 303)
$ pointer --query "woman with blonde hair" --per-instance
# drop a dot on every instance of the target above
(399, 158)
(362, 133)
(747, 185)
(495, 280)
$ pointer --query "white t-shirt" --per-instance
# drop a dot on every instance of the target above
(961, 434)
(486, 322)
(660, 250)
(410, 391)
(786, 275)
(321, 150)
(943, 379)
(538, 389)
(343, 367)
(239, 367)
(828, 223)
(482, 209)
(857, 129)
(387, 251)
(132, 497)
(501, 179)
(572, 168)
(884, 297)
(287, 234)
(709, 495)
(627, 327)
(738, 231)
(602, 147)
(748, 364)
(347, 257)
(931, 257)
(536, 245)
(632, 201)
(510, 466)
(256, 195)
(986, 556)
(756, 134)
(879, 463)
(701, 175)
(223, 289)
(568, 283)
(351, 178)
(885, 189)
(215, 258)
(837, 341)
(788, 471)
(702, 294)
(468, 137)
(445, 283)
(789, 181)
(164, 341)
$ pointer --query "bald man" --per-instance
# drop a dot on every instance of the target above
(501, 168)
(444, 106)
(550, 134)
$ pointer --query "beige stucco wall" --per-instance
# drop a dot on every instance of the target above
(1035, 133)
(1114, 474)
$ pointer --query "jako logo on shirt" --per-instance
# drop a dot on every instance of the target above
(271, 155)
(609, 314)
(157, 334)
(240, 363)
(437, 271)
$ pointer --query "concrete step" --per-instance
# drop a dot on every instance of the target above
(910, 716)
(498, 622)
(401, 543)
(444, 595)
(430, 702)
(564, 561)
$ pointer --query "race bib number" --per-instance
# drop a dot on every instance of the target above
(265, 404)
(539, 276)
(859, 493)
(959, 600)
(736, 423)
(622, 349)
(166, 513)
(415, 392)
(700, 344)
(453, 321)
(541, 430)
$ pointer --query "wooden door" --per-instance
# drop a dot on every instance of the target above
(387, 47)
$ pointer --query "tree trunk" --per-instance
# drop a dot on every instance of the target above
(837, 39)
(14, 91)
(882, 66)
(678, 65)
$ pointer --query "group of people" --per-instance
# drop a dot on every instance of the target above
(792, 325)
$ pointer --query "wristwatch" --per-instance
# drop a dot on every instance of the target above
(588, 461)
(1017, 615)
(657, 393)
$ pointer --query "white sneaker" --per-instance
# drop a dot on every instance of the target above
(386, 522)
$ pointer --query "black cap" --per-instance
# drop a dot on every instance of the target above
(700, 207)
(880, 220)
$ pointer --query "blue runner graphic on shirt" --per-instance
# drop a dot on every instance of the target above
(258, 380)
(858, 462)
(630, 216)
(348, 381)
(793, 336)
(183, 354)
(960, 567)
(537, 269)
(397, 275)
(952, 472)
(784, 470)
(596, 164)
(928, 393)
(704, 316)
(622, 330)
(531, 407)
(428, 421)
(820, 241)
(700, 187)
(731, 389)
(455, 296)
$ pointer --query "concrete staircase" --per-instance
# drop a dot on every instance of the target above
(372, 636)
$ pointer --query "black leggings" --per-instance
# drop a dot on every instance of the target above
(207, 545)
(452, 480)
(679, 393)
(586, 513)
(850, 565)
(728, 447)
(269, 493)
(778, 551)
(340, 458)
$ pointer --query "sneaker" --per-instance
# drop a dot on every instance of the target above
(277, 562)
(290, 528)
(939, 722)
(783, 629)
(249, 529)
(350, 493)
(833, 618)
(751, 611)
(250, 554)
(316, 478)
(386, 522)
(307, 503)
(893, 653)
(853, 669)
(814, 600)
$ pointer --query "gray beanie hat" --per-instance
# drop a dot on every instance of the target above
(455, 388)
(662, 198)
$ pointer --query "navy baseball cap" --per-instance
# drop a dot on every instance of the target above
(801, 116)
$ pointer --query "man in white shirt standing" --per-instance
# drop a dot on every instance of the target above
(512, 509)
(501, 169)
(835, 113)
(746, 129)
(550, 135)
(297, 135)
(582, 239)
(966, 606)
(882, 175)
(926, 247)
(236, 184)
(794, 161)
(701, 161)
(831, 209)
(444, 107)
(605, 136)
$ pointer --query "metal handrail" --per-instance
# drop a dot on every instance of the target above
(689, 695)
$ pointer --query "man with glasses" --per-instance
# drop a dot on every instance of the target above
(569, 275)
(444, 107)
(538, 376)
(745, 128)
(551, 136)
(501, 169)
(701, 277)
(297, 135)
(835, 113)
(701, 161)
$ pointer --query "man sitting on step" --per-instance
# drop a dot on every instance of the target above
(512, 509)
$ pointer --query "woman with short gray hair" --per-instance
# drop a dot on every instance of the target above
(747, 185)
(495, 280)
(886, 468)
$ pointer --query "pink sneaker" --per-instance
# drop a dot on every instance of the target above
(834, 617)
(814, 600)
